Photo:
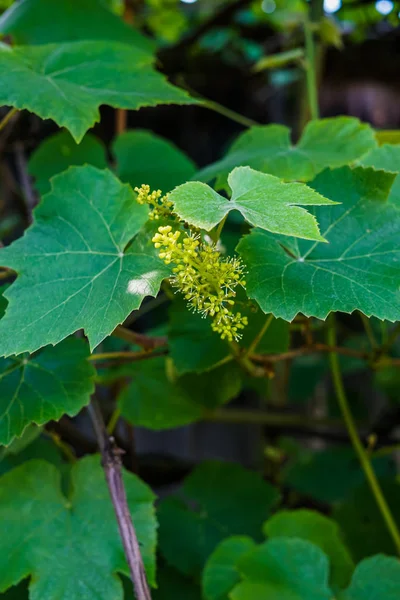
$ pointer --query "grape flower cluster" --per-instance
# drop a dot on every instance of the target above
(160, 206)
(206, 279)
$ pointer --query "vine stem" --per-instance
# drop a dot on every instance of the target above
(260, 335)
(7, 117)
(311, 75)
(369, 331)
(356, 441)
(215, 237)
(112, 465)
(145, 341)
(130, 356)
(227, 112)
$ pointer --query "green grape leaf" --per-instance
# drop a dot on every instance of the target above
(18, 445)
(144, 157)
(195, 347)
(221, 572)
(76, 269)
(324, 143)
(152, 400)
(387, 158)
(42, 448)
(60, 151)
(69, 545)
(320, 530)
(34, 22)
(362, 523)
(358, 270)
(264, 201)
(211, 509)
(75, 78)
(329, 476)
(43, 387)
(284, 568)
(375, 578)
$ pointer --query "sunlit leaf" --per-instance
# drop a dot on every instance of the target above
(264, 201)
(76, 267)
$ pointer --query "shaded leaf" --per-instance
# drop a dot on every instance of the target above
(173, 585)
(42, 448)
(60, 151)
(43, 387)
(226, 500)
(45, 21)
(264, 201)
(331, 475)
(75, 78)
(195, 347)
(221, 572)
(376, 578)
(144, 157)
(320, 530)
(70, 546)
(75, 268)
(284, 568)
(387, 158)
(358, 270)
(152, 400)
(362, 523)
(324, 143)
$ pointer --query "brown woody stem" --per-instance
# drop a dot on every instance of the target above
(112, 465)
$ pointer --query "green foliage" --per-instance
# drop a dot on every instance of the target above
(377, 577)
(331, 475)
(46, 22)
(361, 521)
(357, 270)
(321, 531)
(325, 143)
(59, 152)
(81, 264)
(285, 568)
(221, 572)
(196, 347)
(143, 157)
(157, 400)
(75, 78)
(219, 490)
(263, 200)
(39, 388)
(53, 526)
(286, 234)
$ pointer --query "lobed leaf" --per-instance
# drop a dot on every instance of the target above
(34, 22)
(76, 267)
(70, 546)
(43, 387)
(75, 78)
(324, 143)
(264, 201)
(358, 270)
